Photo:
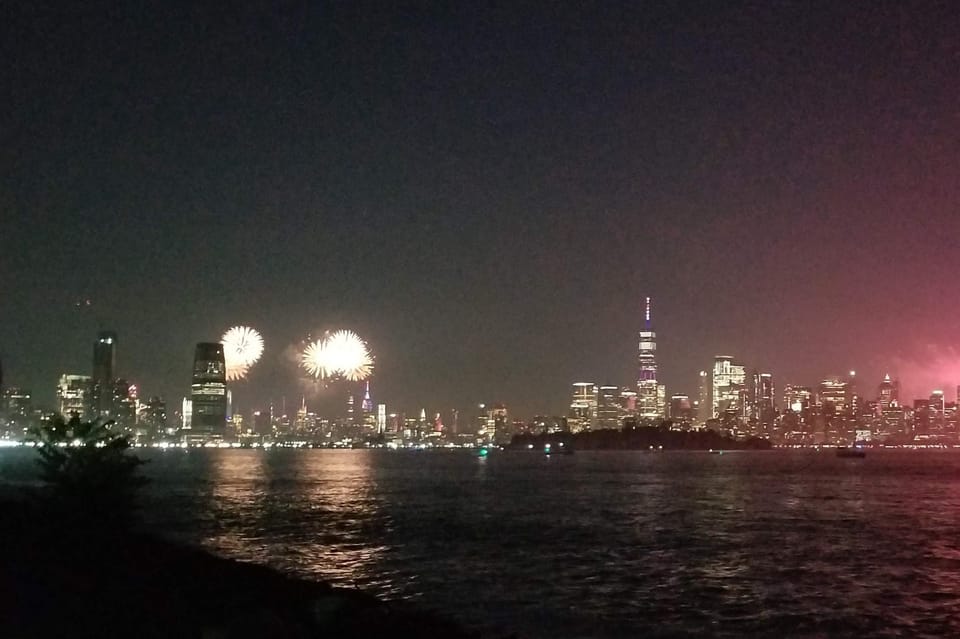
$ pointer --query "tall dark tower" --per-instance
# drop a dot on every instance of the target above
(104, 373)
(209, 391)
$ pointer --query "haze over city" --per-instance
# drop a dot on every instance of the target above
(486, 194)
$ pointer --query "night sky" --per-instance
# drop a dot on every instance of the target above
(486, 192)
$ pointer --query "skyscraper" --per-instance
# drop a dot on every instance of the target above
(153, 417)
(887, 393)
(704, 407)
(583, 407)
(833, 396)
(729, 388)
(608, 407)
(628, 402)
(367, 405)
(73, 395)
(104, 373)
(797, 398)
(762, 402)
(651, 396)
(17, 406)
(208, 392)
(124, 404)
(501, 424)
(681, 411)
(381, 419)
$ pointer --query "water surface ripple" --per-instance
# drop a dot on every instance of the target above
(604, 544)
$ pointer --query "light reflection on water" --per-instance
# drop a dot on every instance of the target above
(789, 543)
(300, 512)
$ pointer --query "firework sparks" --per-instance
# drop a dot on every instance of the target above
(349, 355)
(314, 360)
(242, 348)
(339, 354)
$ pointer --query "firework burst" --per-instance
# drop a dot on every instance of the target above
(242, 348)
(339, 354)
(315, 361)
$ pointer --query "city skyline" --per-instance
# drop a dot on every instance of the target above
(729, 377)
(486, 193)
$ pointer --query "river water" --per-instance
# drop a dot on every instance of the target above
(601, 544)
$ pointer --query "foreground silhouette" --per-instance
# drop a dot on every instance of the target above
(73, 566)
(91, 479)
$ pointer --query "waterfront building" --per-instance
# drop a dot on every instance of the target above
(608, 407)
(501, 424)
(681, 411)
(763, 407)
(651, 395)
(583, 407)
(704, 406)
(797, 398)
(367, 404)
(395, 423)
(104, 374)
(930, 416)
(485, 426)
(888, 393)
(728, 389)
(208, 392)
(18, 410)
(73, 396)
(124, 405)
(186, 413)
(152, 417)
(628, 402)
(833, 396)
(261, 423)
(300, 425)
(381, 419)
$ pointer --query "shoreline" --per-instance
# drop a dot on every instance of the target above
(101, 583)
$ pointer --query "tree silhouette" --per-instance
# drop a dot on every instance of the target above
(91, 479)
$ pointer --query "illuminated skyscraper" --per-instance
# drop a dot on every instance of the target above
(583, 407)
(186, 413)
(485, 426)
(833, 396)
(367, 405)
(729, 388)
(381, 419)
(608, 407)
(209, 391)
(888, 393)
(628, 402)
(300, 423)
(681, 411)
(125, 404)
(17, 407)
(73, 395)
(104, 373)
(153, 417)
(704, 407)
(651, 395)
(762, 402)
(501, 424)
(797, 398)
